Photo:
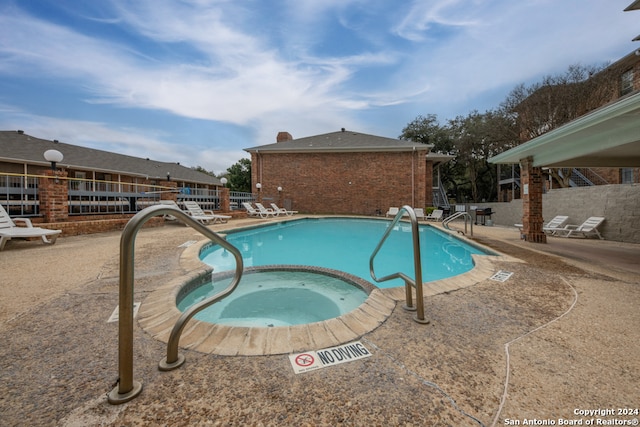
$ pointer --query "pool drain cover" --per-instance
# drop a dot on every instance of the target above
(501, 276)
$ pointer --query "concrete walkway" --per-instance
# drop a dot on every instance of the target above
(559, 336)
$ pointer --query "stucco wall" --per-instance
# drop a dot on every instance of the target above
(619, 204)
(343, 183)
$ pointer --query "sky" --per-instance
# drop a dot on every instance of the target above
(198, 81)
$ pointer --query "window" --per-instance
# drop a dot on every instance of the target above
(626, 82)
(626, 175)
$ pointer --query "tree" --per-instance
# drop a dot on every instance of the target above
(559, 99)
(477, 137)
(239, 176)
(427, 130)
(203, 170)
(472, 140)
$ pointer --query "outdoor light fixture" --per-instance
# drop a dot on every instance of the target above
(223, 181)
(168, 176)
(279, 189)
(53, 156)
(258, 186)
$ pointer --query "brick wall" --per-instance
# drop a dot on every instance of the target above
(532, 181)
(344, 183)
(76, 228)
(54, 196)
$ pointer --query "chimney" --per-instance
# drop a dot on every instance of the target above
(284, 136)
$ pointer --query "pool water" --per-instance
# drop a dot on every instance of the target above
(276, 298)
(345, 244)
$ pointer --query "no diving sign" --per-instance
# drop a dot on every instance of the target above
(311, 360)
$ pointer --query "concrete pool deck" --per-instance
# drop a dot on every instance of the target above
(564, 327)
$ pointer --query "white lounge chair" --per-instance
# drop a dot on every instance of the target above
(436, 215)
(557, 223)
(205, 217)
(282, 211)
(251, 211)
(419, 213)
(9, 230)
(265, 212)
(173, 205)
(586, 229)
(393, 211)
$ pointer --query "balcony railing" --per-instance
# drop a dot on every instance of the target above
(19, 194)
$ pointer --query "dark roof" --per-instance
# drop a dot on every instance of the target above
(341, 141)
(18, 147)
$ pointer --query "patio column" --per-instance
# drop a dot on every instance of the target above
(225, 200)
(532, 182)
(53, 193)
(171, 194)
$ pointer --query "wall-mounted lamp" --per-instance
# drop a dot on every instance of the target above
(279, 189)
(53, 156)
(258, 186)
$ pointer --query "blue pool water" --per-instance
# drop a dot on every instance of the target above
(276, 298)
(345, 244)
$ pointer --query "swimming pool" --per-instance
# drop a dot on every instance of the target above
(345, 244)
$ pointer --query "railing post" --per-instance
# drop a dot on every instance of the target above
(127, 388)
(417, 282)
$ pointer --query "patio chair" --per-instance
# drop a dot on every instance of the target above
(557, 223)
(419, 213)
(265, 212)
(393, 211)
(205, 217)
(436, 215)
(550, 228)
(251, 211)
(173, 205)
(586, 229)
(9, 230)
(282, 211)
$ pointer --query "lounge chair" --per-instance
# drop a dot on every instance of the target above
(557, 223)
(436, 215)
(282, 211)
(586, 229)
(419, 213)
(173, 205)
(251, 211)
(205, 217)
(265, 212)
(392, 212)
(9, 230)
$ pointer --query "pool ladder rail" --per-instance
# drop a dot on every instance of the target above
(409, 283)
(126, 388)
(457, 215)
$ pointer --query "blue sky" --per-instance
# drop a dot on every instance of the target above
(196, 81)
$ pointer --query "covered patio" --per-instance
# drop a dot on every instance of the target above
(606, 137)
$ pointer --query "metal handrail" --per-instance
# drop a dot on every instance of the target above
(408, 282)
(457, 215)
(126, 388)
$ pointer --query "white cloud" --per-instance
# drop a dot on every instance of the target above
(138, 142)
(232, 62)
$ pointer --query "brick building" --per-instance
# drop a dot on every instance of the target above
(91, 186)
(346, 172)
